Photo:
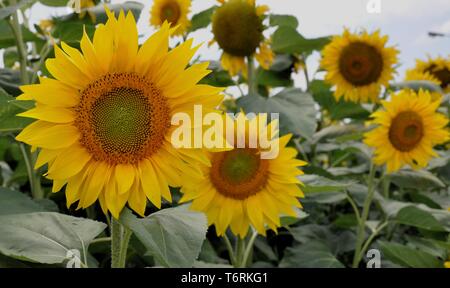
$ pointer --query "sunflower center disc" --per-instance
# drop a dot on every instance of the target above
(237, 29)
(442, 75)
(122, 118)
(170, 12)
(406, 131)
(360, 64)
(238, 173)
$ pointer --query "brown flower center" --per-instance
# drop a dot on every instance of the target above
(406, 131)
(171, 12)
(443, 75)
(122, 118)
(239, 173)
(360, 64)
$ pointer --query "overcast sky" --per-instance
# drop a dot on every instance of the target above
(407, 23)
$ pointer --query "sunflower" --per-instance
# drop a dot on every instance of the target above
(84, 5)
(358, 65)
(408, 129)
(104, 123)
(435, 70)
(241, 189)
(413, 75)
(173, 11)
(238, 28)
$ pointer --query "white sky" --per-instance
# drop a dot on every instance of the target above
(407, 23)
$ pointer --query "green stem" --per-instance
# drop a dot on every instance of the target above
(34, 179)
(21, 47)
(230, 250)
(120, 238)
(364, 215)
(386, 184)
(370, 239)
(249, 249)
(252, 85)
(240, 250)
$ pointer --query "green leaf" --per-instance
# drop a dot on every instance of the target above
(417, 179)
(416, 85)
(10, 81)
(10, 56)
(7, 38)
(16, 202)
(283, 20)
(173, 236)
(71, 32)
(407, 256)
(337, 110)
(287, 221)
(8, 10)
(54, 3)
(46, 237)
(319, 184)
(287, 40)
(413, 216)
(296, 109)
(202, 19)
(310, 255)
(9, 122)
(273, 79)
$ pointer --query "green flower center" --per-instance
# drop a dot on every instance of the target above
(237, 28)
(360, 64)
(122, 118)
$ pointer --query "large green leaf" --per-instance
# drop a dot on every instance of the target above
(296, 109)
(319, 184)
(310, 255)
(418, 179)
(9, 122)
(407, 256)
(46, 237)
(283, 20)
(416, 217)
(287, 40)
(337, 110)
(54, 3)
(202, 19)
(173, 236)
(16, 202)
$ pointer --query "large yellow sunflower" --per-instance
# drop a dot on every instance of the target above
(436, 70)
(240, 189)
(408, 129)
(358, 65)
(173, 11)
(238, 28)
(104, 123)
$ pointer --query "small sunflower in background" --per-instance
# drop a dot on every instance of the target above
(173, 11)
(84, 5)
(238, 28)
(409, 128)
(435, 70)
(104, 122)
(241, 190)
(358, 65)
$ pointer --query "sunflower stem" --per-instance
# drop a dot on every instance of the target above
(251, 79)
(229, 249)
(21, 46)
(120, 238)
(364, 215)
(240, 251)
(249, 249)
(33, 177)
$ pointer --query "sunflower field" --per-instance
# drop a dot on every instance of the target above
(341, 164)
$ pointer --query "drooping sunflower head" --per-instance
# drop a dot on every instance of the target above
(436, 70)
(238, 28)
(242, 189)
(104, 122)
(173, 11)
(358, 65)
(409, 128)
